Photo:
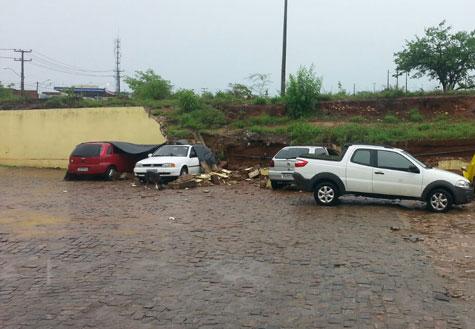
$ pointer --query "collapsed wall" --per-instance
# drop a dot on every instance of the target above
(45, 138)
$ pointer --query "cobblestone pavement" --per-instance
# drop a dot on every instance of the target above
(108, 255)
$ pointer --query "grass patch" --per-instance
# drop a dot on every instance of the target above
(304, 133)
(390, 119)
(357, 119)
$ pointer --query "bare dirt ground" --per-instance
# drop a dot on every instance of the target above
(95, 254)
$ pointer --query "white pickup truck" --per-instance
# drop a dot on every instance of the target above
(382, 172)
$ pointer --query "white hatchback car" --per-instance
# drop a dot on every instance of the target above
(170, 161)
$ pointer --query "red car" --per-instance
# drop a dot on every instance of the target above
(106, 158)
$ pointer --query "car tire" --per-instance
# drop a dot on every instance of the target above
(439, 200)
(326, 194)
(276, 185)
(184, 171)
(110, 173)
(69, 177)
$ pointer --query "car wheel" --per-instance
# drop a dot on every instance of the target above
(276, 185)
(110, 173)
(326, 194)
(439, 200)
(69, 176)
(184, 171)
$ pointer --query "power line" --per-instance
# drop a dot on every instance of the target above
(7, 57)
(67, 66)
(7, 49)
(66, 69)
(69, 72)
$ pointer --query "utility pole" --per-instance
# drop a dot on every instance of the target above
(387, 84)
(374, 88)
(284, 53)
(22, 60)
(117, 70)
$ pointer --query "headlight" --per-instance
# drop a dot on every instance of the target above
(463, 183)
(138, 165)
(168, 165)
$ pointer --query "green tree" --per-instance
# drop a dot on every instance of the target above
(442, 55)
(302, 92)
(149, 85)
(188, 101)
(239, 90)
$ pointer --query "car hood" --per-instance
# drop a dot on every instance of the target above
(446, 175)
(158, 160)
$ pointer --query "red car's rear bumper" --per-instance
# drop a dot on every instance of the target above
(87, 169)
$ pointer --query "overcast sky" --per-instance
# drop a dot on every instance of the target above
(210, 43)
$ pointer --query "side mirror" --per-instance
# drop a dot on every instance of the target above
(150, 155)
(414, 169)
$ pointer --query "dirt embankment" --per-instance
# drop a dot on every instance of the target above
(243, 147)
(430, 106)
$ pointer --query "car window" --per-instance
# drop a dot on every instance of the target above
(109, 149)
(319, 151)
(362, 157)
(392, 160)
(87, 150)
(291, 153)
(193, 153)
(172, 150)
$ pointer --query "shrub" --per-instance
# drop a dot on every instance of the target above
(260, 101)
(56, 102)
(276, 100)
(390, 119)
(199, 120)
(302, 92)
(188, 101)
(414, 115)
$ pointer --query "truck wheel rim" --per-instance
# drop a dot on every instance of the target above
(326, 194)
(439, 201)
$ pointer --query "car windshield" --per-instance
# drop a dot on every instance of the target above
(420, 163)
(171, 151)
(87, 150)
(291, 153)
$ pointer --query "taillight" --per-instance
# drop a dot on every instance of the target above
(271, 163)
(300, 163)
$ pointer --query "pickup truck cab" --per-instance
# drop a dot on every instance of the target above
(380, 171)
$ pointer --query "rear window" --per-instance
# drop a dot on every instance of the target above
(291, 153)
(87, 150)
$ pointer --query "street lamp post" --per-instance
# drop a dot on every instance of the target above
(7, 68)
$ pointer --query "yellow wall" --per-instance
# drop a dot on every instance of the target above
(46, 138)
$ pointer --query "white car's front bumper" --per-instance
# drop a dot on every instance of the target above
(163, 171)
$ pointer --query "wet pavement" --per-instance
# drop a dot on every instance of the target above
(94, 254)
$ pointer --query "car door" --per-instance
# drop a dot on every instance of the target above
(394, 174)
(359, 171)
(193, 162)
